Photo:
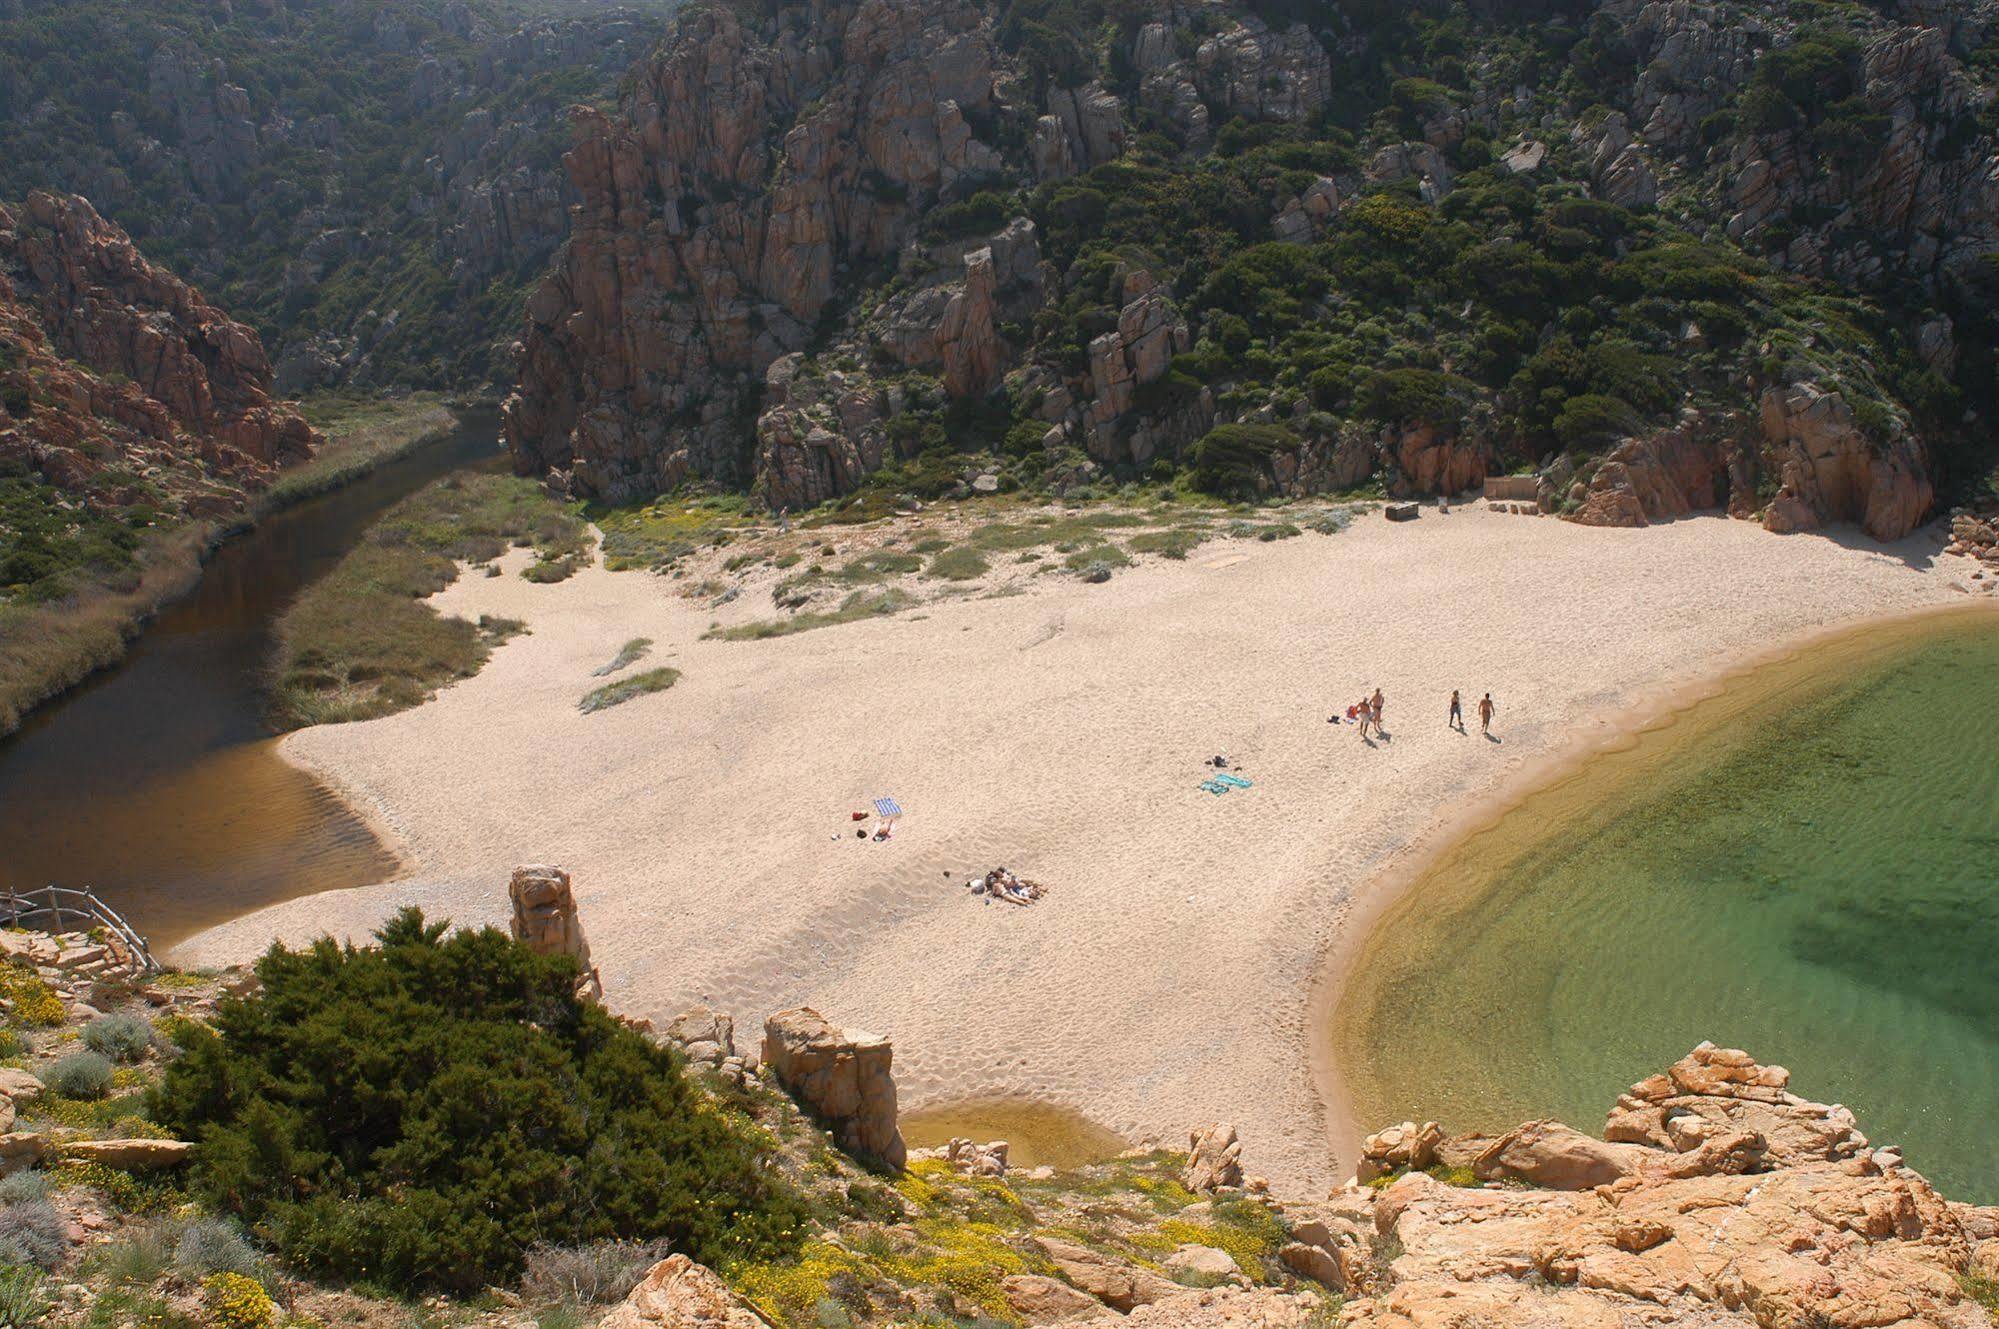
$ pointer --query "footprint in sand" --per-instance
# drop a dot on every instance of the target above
(1047, 632)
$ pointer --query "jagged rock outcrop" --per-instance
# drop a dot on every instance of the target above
(1916, 202)
(1084, 127)
(1618, 165)
(844, 1078)
(1695, 466)
(1214, 1160)
(1717, 1198)
(110, 365)
(1255, 71)
(545, 917)
(1150, 332)
(1430, 458)
(697, 258)
(1832, 471)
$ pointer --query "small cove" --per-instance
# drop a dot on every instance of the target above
(158, 781)
(1805, 865)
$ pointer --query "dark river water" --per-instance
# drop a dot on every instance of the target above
(158, 782)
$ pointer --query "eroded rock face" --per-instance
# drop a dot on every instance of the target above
(680, 1294)
(1832, 471)
(1717, 1197)
(545, 917)
(698, 257)
(115, 365)
(1695, 466)
(843, 1077)
(1214, 1160)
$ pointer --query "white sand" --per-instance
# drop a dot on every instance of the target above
(1164, 982)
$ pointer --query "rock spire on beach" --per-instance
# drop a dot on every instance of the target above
(843, 1077)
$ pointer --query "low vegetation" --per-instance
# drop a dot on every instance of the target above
(629, 654)
(361, 642)
(625, 689)
(857, 606)
(362, 433)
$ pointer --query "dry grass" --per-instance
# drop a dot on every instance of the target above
(361, 436)
(48, 648)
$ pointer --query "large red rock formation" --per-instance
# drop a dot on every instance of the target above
(109, 365)
(699, 256)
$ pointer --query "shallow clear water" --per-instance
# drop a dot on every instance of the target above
(158, 782)
(1806, 867)
(1036, 1133)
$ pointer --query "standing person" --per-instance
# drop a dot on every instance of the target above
(1366, 714)
(1377, 712)
(1457, 720)
(1485, 710)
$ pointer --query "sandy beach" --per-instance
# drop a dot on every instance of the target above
(1168, 978)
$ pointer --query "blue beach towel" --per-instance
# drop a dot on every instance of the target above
(1234, 781)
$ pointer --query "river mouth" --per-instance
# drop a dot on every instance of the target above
(1801, 866)
(158, 782)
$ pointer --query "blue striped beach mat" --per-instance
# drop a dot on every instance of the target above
(888, 807)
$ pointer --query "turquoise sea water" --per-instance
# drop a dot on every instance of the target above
(1806, 867)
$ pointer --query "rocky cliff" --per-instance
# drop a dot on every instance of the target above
(820, 248)
(373, 184)
(120, 386)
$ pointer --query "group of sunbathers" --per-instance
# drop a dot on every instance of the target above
(1367, 712)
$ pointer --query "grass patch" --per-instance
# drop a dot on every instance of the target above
(860, 605)
(959, 564)
(362, 434)
(630, 653)
(878, 565)
(668, 529)
(1175, 542)
(360, 642)
(622, 691)
(1107, 554)
(1982, 1292)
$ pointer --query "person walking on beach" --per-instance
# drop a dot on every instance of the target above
(1485, 710)
(1457, 717)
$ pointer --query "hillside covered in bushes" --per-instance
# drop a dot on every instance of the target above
(373, 185)
(1666, 256)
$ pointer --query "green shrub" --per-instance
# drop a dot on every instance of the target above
(1230, 460)
(420, 1112)
(959, 564)
(125, 1038)
(23, 1303)
(79, 1075)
